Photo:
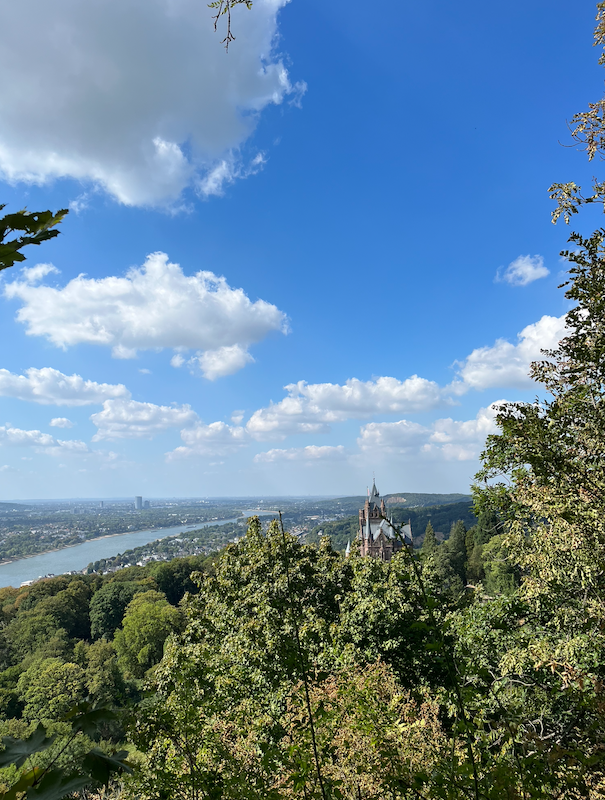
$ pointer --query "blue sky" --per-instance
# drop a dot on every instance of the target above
(354, 204)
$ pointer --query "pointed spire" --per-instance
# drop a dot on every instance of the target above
(348, 549)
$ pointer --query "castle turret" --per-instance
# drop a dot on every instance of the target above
(377, 535)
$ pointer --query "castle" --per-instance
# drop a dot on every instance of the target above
(377, 536)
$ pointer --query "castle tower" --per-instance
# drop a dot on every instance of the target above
(377, 537)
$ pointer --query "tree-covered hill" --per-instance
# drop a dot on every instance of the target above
(351, 505)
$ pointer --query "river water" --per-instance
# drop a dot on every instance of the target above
(80, 555)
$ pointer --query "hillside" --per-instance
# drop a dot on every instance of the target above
(441, 516)
(351, 505)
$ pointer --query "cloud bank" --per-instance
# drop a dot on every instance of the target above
(505, 364)
(310, 407)
(42, 442)
(130, 419)
(138, 98)
(218, 438)
(310, 454)
(152, 307)
(446, 438)
(48, 386)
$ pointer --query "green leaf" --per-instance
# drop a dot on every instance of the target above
(56, 784)
(36, 226)
(100, 765)
(90, 721)
(25, 780)
(17, 751)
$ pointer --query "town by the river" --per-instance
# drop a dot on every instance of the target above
(76, 558)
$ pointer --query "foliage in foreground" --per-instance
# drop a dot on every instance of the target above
(305, 674)
(25, 227)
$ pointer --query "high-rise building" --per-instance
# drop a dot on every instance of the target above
(138, 503)
(146, 504)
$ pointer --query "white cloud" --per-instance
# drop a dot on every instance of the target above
(147, 102)
(35, 274)
(226, 172)
(153, 307)
(392, 436)
(61, 422)
(310, 408)
(129, 419)
(522, 271)
(311, 453)
(177, 360)
(44, 442)
(80, 204)
(218, 438)
(48, 386)
(507, 365)
(445, 439)
(463, 441)
(224, 361)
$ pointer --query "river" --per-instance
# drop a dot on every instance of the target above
(79, 556)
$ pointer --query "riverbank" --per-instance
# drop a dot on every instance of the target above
(76, 558)
(206, 523)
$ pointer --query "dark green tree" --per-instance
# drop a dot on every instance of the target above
(108, 606)
(455, 547)
(174, 577)
(429, 543)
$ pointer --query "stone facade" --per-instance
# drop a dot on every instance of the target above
(376, 536)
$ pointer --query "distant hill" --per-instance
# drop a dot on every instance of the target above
(351, 505)
(415, 500)
(441, 517)
(12, 507)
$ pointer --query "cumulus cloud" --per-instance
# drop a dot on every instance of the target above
(463, 441)
(147, 102)
(218, 438)
(152, 307)
(505, 364)
(37, 273)
(310, 408)
(61, 422)
(48, 386)
(522, 271)
(43, 442)
(311, 453)
(392, 436)
(224, 361)
(129, 419)
(448, 439)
